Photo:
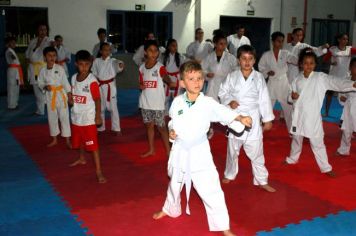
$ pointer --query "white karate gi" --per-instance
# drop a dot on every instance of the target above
(253, 98)
(234, 42)
(13, 78)
(349, 122)
(199, 50)
(62, 55)
(105, 71)
(306, 117)
(56, 99)
(294, 51)
(191, 160)
(342, 59)
(35, 55)
(278, 86)
(227, 64)
(96, 49)
(139, 56)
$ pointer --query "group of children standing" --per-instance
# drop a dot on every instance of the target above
(237, 96)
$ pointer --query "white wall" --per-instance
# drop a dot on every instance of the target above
(78, 20)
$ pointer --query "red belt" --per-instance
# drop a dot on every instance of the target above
(176, 89)
(19, 69)
(102, 82)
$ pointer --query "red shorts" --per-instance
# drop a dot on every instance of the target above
(86, 136)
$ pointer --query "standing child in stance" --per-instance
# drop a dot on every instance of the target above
(190, 159)
(349, 115)
(85, 112)
(308, 91)
(245, 91)
(63, 55)
(53, 80)
(14, 74)
(153, 75)
(105, 69)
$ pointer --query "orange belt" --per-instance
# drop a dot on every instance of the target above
(102, 82)
(54, 90)
(175, 74)
(19, 69)
(37, 66)
(61, 62)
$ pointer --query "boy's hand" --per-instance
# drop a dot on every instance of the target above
(326, 45)
(210, 75)
(172, 85)
(48, 87)
(246, 121)
(355, 85)
(234, 104)
(70, 99)
(343, 98)
(271, 73)
(295, 95)
(98, 121)
(142, 86)
(267, 126)
(121, 65)
(172, 134)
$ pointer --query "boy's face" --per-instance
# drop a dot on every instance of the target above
(192, 81)
(59, 42)
(173, 47)
(240, 32)
(308, 65)
(298, 36)
(152, 53)
(353, 69)
(102, 37)
(278, 43)
(151, 36)
(221, 45)
(343, 41)
(12, 44)
(83, 66)
(105, 51)
(50, 58)
(42, 31)
(199, 35)
(247, 60)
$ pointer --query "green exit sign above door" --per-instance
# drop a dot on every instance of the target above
(140, 7)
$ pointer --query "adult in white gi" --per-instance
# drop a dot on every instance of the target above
(199, 49)
(217, 65)
(308, 91)
(34, 57)
(251, 95)
(54, 82)
(139, 56)
(63, 54)
(14, 74)
(102, 39)
(273, 64)
(236, 40)
(295, 48)
(105, 69)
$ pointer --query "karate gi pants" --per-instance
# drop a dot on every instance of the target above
(111, 106)
(40, 100)
(13, 91)
(345, 143)
(318, 147)
(207, 184)
(59, 113)
(254, 151)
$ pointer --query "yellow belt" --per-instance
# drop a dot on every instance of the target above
(37, 66)
(54, 90)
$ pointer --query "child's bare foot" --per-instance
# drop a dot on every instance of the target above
(228, 233)
(158, 215)
(268, 188)
(53, 143)
(225, 180)
(285, 163)
(148, 153)
(117, 133)
(331, 174)
(78, 162)
(101, 178)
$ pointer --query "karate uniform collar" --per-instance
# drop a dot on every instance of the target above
(106, 59)
(191, 103)
(311, 74)
(250, 77)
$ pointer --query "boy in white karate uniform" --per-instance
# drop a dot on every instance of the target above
(14, 74)
(102, 39)
(199, 49)
(139, 56)
(63, 55)
(53, 80)
(348, 125)
(190, 159)
(105, 69)
(235, 41)
(308, 91)
(273, 64)
(245, 91)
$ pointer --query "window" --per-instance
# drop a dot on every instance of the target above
(325, 30)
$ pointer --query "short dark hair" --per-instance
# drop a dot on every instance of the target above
(82, 55)
(198, 29)
(218, 35)
(296, 30)
(149, 43)
(246, 49)
(104, 44)
(277, 34)
(307, 52)
(101, 31)
(352, 62)
(58, 37)
(189, 66)
(48, 50)
(237, 27)
(9, 39)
